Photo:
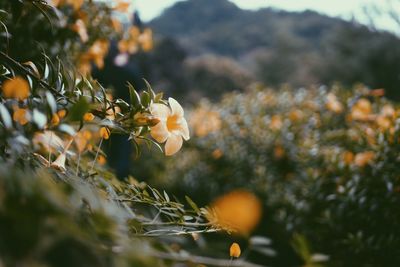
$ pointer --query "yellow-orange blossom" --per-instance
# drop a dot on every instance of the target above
(172, 127)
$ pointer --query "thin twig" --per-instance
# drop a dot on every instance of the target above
(97, 154)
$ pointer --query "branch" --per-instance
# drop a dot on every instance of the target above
(12, 63)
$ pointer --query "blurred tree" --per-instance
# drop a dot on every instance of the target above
(357, 54)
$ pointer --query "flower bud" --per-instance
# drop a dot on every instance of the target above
(234, 250)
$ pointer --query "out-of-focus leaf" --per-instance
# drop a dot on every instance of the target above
(265, 251)
(66, 128)
(39, 119)
(260, 241)
(51, 101)
(317, 257)
(78, 110)
(5, 116)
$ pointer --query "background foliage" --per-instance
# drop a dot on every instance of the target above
(323, 160)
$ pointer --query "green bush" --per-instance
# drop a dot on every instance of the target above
(324, 161)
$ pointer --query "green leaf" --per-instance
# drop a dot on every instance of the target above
(122, 104)
(145, 99)
(134, 97)
(33, 67)
(192, 204)
(166, 196)
(78, 110)
(150, 90)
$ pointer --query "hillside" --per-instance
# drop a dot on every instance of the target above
(275, 47)
(220, 27)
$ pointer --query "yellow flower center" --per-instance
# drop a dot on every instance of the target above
(173, 123)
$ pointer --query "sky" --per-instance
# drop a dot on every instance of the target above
(342, 8)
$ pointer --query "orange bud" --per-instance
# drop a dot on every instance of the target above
(55, 120)
(88, 117)
(101, 160)
(104, 133)
(61, 113)
(234, 250)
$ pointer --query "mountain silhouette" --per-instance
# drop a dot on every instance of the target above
(278, 47)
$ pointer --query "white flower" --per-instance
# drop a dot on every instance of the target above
(172, 127)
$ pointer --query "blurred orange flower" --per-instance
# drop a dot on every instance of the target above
(238, 210)
(202, 127)
(364, 158)
(17, 87)
(135, 40)
(61, 113)
(81, 140)
(333, 104)
(76, 4)
(116, 24)
(80, 28)
(172, 127)
(122, 6)
(146, 40)
(348, 157)
(96, 54)
(383, 123)
(21, 115)
(48, 140)
(101, 160)
(279, 152)
(217, 153)
(128, 46)
(296, 115)
(388, 111)
(276, 122)
(362, 110)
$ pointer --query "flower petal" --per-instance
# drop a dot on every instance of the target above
(173, 145)
(175, 107)
(160, 132)
(184, 130)
(160, 111)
